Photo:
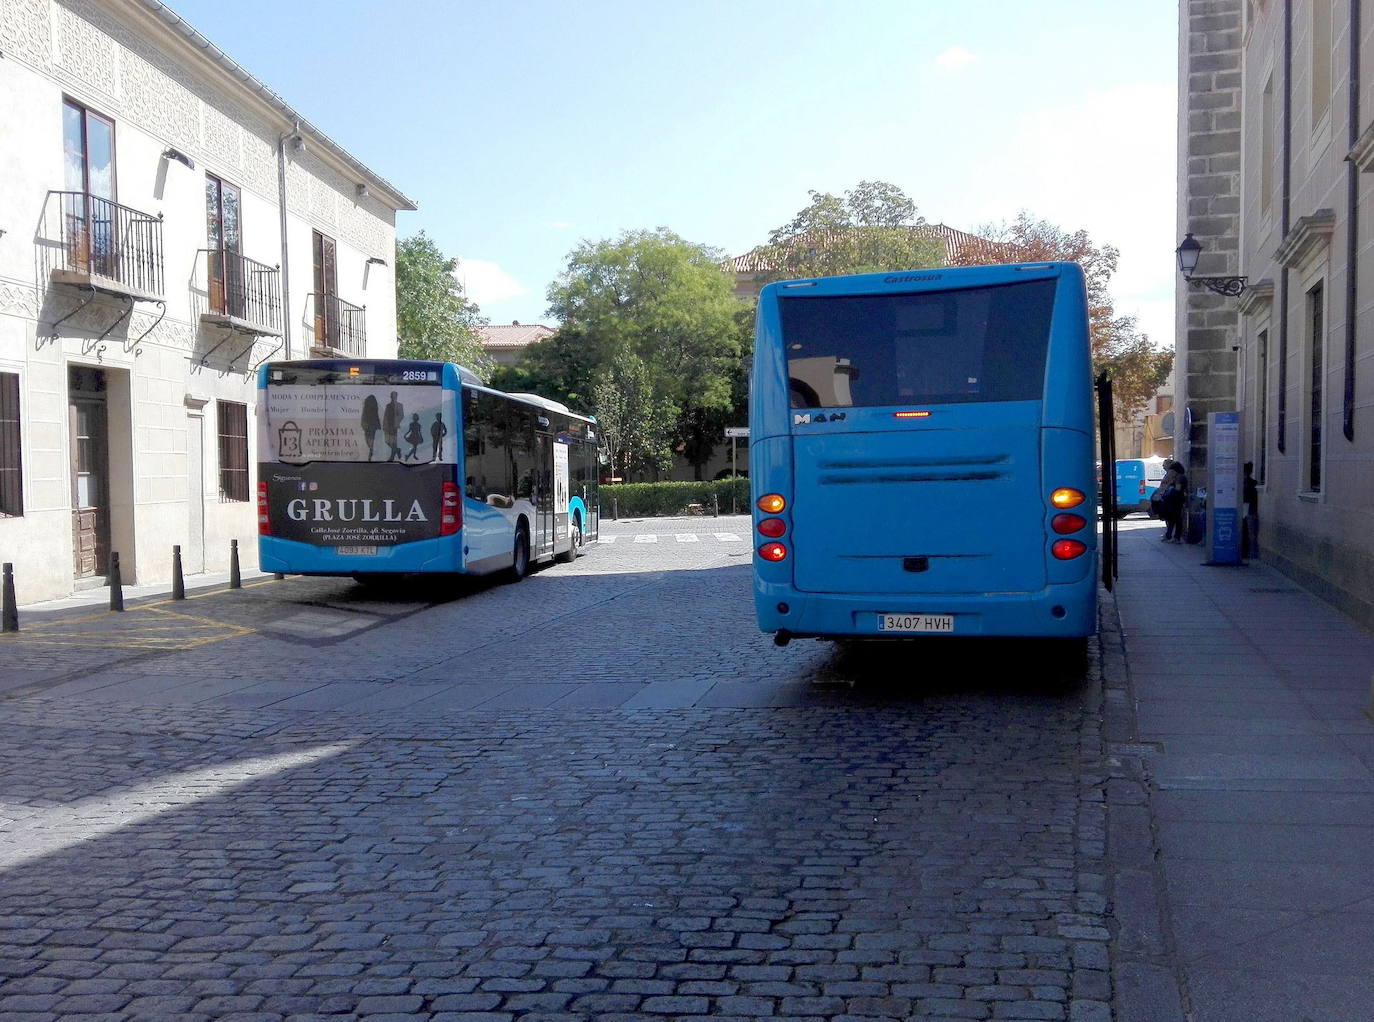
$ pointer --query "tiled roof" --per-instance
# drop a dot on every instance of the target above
(959, 245)
(514, 335)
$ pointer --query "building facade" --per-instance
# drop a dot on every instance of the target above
(505, 344)
(167, 224)
(1288, 89)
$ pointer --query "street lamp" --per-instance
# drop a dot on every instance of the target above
(1188, 252)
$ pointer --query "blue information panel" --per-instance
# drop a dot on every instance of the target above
(1223, 497)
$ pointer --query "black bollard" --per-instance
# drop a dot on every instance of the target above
(116, 583)
(234, 581)
(279, 575)
(9, 607)
(178, 583)
(715, 504)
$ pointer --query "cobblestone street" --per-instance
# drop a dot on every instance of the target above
(599, 793)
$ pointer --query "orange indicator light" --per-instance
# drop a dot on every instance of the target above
(1066, 497)
(772, 503)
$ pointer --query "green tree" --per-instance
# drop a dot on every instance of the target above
(562, 367)
(1136, 366)
(434, 317)
(665, 301)
(874, 227)
(636, 421)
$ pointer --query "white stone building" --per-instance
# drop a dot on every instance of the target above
(1275, 160)
(146, 269)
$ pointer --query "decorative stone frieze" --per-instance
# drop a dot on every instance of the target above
(25, 32)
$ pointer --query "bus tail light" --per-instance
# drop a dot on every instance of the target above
(450, 510)
(1066, 497)
(1068, 549)
(772, 503)
(1142, 487)
(264, 522)
(773, 552)
(1064, 524)
(772, 527)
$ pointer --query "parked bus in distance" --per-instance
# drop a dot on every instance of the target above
(385, 467)
(921, 455)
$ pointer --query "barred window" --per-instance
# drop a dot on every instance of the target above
(233, 451)
(11, 469)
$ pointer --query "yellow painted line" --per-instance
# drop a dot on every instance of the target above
(138, 635)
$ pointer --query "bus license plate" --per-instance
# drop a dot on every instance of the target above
(356, 551)
(915, 622)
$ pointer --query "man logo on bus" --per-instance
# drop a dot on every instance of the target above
(289, 440)
(801, 419)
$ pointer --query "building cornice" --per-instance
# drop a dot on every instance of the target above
(1256, 298)
(180, 31)
(1306, 238)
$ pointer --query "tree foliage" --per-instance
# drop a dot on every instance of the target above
(434, 317)
(1137, 367)
(636, 420)
(653, 300)
(873, 227)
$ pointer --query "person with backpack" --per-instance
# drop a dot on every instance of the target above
(1173, 494)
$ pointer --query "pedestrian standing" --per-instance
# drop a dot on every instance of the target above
(1173, 493)
(1249, 537)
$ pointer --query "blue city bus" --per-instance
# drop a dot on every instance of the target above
(375, 468)
(921, 455)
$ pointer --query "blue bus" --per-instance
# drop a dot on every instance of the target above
(375, 468)
(921, 455)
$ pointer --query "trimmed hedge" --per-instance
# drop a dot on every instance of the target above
(658, 500)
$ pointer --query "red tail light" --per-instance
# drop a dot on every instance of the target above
(1064, 524)
(1067, 549)
(773, 552)
(1142, 487)
(264, 522)
(772, 527)
(450, 510)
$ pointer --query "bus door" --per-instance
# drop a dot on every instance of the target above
(542, 541)
(561, 491)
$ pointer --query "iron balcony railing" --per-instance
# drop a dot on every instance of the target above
(99, 238)
(244, 290)
(339, 325)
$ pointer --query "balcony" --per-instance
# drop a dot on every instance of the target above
(340, 327)
(104, 246)
(242, 294)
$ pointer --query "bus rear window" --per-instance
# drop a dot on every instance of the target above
(931, 347)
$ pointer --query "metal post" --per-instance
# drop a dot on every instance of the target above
(178, 583)
(234, 581)
(9, 608)
(615, 509)
(715, 504)
(116, 583)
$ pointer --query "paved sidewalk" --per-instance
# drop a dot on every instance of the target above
(1242, 812)
(98, 598)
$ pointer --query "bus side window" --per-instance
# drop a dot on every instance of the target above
(474, 444)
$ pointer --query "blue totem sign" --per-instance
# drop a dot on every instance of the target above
(1223, 488)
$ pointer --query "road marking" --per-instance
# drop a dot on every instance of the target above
(608, 539)
(648, 538)
(162, 629)
(688, 537)
(726, 537)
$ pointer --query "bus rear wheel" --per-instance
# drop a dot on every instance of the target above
(574, 541)
(520, 565)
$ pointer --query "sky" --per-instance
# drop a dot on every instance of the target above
(524, 127)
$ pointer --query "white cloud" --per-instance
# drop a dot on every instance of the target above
(486, 282)
(956, 58)
(1103, 162)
